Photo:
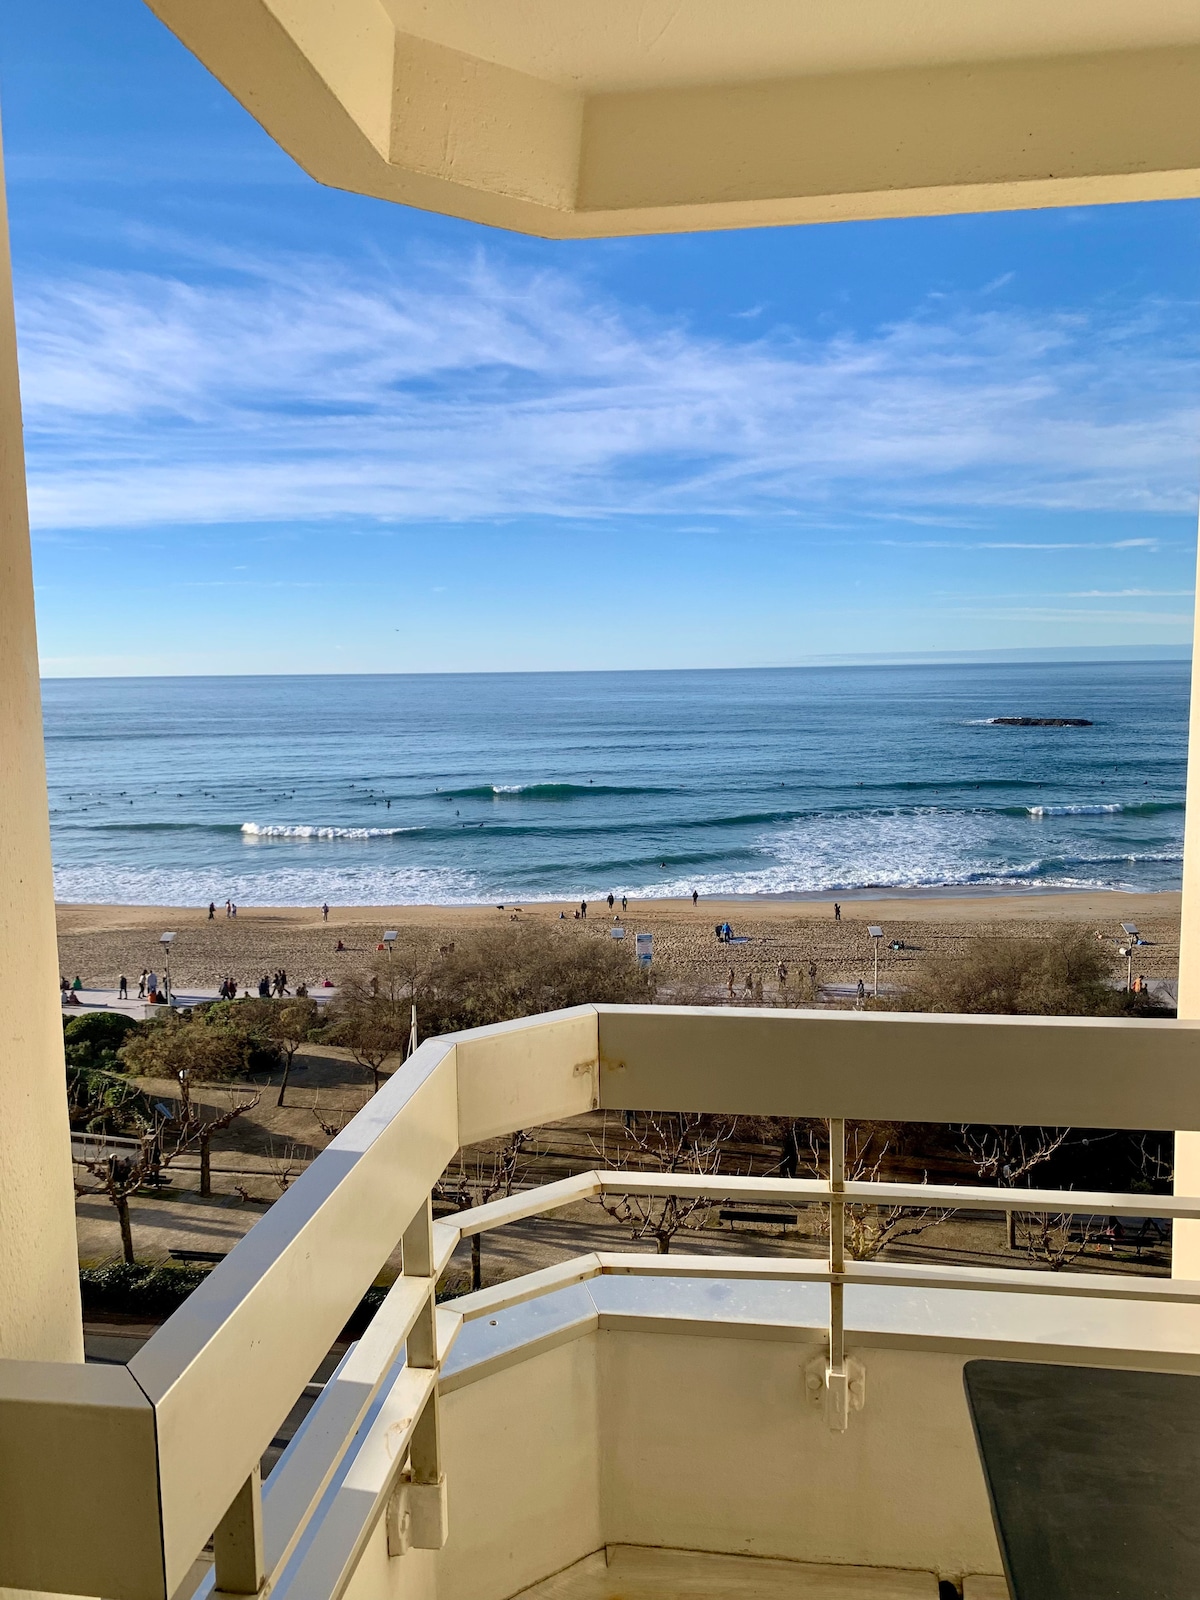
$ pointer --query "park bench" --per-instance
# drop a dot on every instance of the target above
(779, 1219)
(199, 1258)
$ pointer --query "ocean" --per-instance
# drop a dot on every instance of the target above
(516, 787)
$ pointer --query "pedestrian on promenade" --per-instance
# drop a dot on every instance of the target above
(732, 981)
(142, 985)
(122, 987)
(862, 991)
(748, 986)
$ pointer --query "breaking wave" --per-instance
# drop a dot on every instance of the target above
(255, 830)
(547, 791)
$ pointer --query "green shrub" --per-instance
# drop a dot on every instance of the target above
(1069, 975)
(495, 974)
(102, 1033)
(100, 1101)
(140, 1289)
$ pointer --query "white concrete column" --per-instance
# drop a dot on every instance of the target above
(1186, 1252)
(39, 1282)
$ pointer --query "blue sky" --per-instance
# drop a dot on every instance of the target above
(272, 427)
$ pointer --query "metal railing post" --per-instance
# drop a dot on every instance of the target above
(836, 1382)
(417, 1516)
(238, 1542)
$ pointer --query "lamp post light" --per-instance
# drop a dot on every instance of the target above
(876, 935)
(389, 939)
(165, 940)
(1129, 929)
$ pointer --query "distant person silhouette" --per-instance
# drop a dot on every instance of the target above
(837, 912)
(610, 900)
(325, 912)
(695, 897)
(122, 987)
(212, 909)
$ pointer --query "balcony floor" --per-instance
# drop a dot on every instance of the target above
(634, 1572)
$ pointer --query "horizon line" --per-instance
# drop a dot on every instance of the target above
(1049, 655)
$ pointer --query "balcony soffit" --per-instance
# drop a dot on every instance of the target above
(623, 45)
(574, 120)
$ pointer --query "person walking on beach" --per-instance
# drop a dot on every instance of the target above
(837, 912)
(122, 987)
(233, 908)
(212, 909)
(610, 899)
(624, 903)
(732, 981)
(695, 897)
(583, 909)
(325, 912)
(228, 908)
(748, 986)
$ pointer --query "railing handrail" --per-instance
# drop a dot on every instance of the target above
(539, 1199)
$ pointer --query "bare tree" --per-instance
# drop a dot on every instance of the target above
(489, 1174)
(666, 1142)
(121, 1175)
(1055, 1241)
(870, 1228)
(286, 1165)
(1009, 1154)
(332, 1122)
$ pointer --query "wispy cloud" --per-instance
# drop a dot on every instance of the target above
(1022, 544)
(285, 389)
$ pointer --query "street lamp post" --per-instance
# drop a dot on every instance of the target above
(876, 936)
(165, 940)
(1130, 930)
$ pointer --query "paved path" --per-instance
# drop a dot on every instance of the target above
(139, 1010)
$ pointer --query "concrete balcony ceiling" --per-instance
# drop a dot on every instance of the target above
(575, 120)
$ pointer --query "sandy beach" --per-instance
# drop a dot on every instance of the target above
(100, 942)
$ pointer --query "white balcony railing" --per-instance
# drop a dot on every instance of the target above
(116, 1478)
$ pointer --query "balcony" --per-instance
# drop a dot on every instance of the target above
(619, 1423)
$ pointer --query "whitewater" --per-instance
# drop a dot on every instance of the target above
(497, 788)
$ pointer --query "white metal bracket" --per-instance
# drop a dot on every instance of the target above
(416, 1518)
(839, 1393)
